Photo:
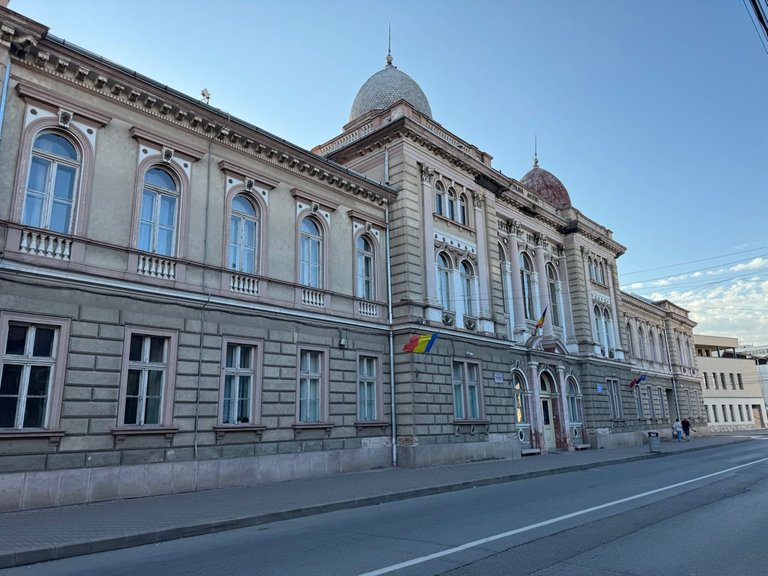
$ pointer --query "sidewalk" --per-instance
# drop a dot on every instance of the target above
(46, 534)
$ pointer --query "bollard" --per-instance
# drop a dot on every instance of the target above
(654, 442)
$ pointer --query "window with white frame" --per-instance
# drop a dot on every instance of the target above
(439, 198)
(310, 254)
(599, 327)
(450, 205)
(239, 387)
(365, 268)
(243, 235)
(31, 371)
(526, 280)
(572, 393)
(146, 396)
(554, 301)
(467, 288)
(462, 215)
(158, 214)
(608, 330)
(52, 183)
(311, 387)
(466, 392)
(614, 393)
(444, 281)
(367, 389)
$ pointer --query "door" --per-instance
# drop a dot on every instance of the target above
(549, 428)
(757, 416)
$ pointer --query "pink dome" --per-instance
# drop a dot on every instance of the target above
(546, 186)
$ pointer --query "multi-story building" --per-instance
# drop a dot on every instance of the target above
(733, 395)
(759, 354)
(189, 301)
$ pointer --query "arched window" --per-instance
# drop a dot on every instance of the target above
(599, 332)
(52, 183)
(502, 261)
(526, 280)
(450, 208)
(159, 206)
(652, 342)
(243, 235)
(310, 256)
(601, 271)
(518, 383)
(467, 288)
(608, 329)
(641, 342)
(444, 281)
(592, 273)
(630, 336)
(554, 301)
(572, 394)
(439, 197)
(365, 268)
(463, 210)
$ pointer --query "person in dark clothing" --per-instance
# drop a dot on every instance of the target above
(686, 424)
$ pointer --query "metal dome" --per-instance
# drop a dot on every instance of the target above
(386, 87)
(546, 186)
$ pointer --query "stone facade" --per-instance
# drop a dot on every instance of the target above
(190, 302)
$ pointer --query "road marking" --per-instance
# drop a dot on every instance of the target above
(482, 541)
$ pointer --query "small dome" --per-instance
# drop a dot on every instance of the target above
(386, 87)
(546, 186)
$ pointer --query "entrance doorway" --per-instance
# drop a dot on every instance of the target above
(547, 413)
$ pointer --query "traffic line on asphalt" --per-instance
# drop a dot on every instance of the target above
(486, 540)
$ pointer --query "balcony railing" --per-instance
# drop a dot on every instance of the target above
(42, 243)
(313, 297)
(156, 267)
(243, 284)
(368, 309)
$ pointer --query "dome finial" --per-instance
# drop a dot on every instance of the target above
(389, 46)
(535, 152)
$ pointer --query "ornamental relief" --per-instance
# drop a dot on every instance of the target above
(457, 251)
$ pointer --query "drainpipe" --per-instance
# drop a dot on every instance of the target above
(671, 370)
(6, 77)
(392, 407)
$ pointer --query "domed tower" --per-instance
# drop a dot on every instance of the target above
(546, 186)
(385, 88)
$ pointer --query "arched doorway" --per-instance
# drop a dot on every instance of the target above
(548, 407)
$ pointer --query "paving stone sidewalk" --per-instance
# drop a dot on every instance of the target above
(45, 534)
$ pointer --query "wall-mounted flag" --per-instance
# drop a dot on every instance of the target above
(540, 323)
(636, 381)
(420, 343)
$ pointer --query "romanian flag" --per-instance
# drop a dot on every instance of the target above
(637, 381)
(540, 323)
(420, 343)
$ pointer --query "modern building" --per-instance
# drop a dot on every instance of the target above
(733, 395)
(188, 301)
(760, 356)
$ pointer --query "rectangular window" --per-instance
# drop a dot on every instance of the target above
(706, 381)
(651, 402)
(741, 383)
(733, 381)
(466, 391)
(31, 375)
(639, 402)
(741, 413)
(662, 408)
(367, 389)
(240, 389)
(615, 398)
(146, 394)
(312, 393)
(730, 410)
(714, 379)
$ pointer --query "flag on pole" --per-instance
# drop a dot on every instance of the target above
(636, 381)
(420, 343)
(540, 323)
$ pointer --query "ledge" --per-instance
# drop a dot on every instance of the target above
(475, 426)
(225, 429)
(303, 427)
(53, 436)
(371, 424)
(120, 433)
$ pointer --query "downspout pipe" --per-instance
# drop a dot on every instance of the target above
(672, 371)
(6, 79)
(393, 404)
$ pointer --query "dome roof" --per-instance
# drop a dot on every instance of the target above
(546, 186)
(385, 88)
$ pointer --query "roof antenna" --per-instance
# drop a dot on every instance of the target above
(535, 151)
(389, 46)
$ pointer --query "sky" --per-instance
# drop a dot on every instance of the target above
(651, 112)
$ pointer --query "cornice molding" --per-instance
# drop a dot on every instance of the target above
(52, 100)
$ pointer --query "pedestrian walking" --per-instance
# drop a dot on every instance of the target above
(686, 426)
(677, 428)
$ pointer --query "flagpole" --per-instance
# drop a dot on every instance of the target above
(392, 402)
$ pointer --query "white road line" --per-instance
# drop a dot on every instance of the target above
(475, 543)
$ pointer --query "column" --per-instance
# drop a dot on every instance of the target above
(537, 418)
(484, 305)
(506, 278)
(543, 288)
(614, 312)
(430, 273)
(590, 306)
(566, 417)
(517, 286)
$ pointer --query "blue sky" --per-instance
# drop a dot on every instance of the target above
(652, 112)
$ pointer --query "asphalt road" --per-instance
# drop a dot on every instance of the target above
(695, 514)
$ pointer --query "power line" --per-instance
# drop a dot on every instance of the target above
(693, 261)
(760, 16)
